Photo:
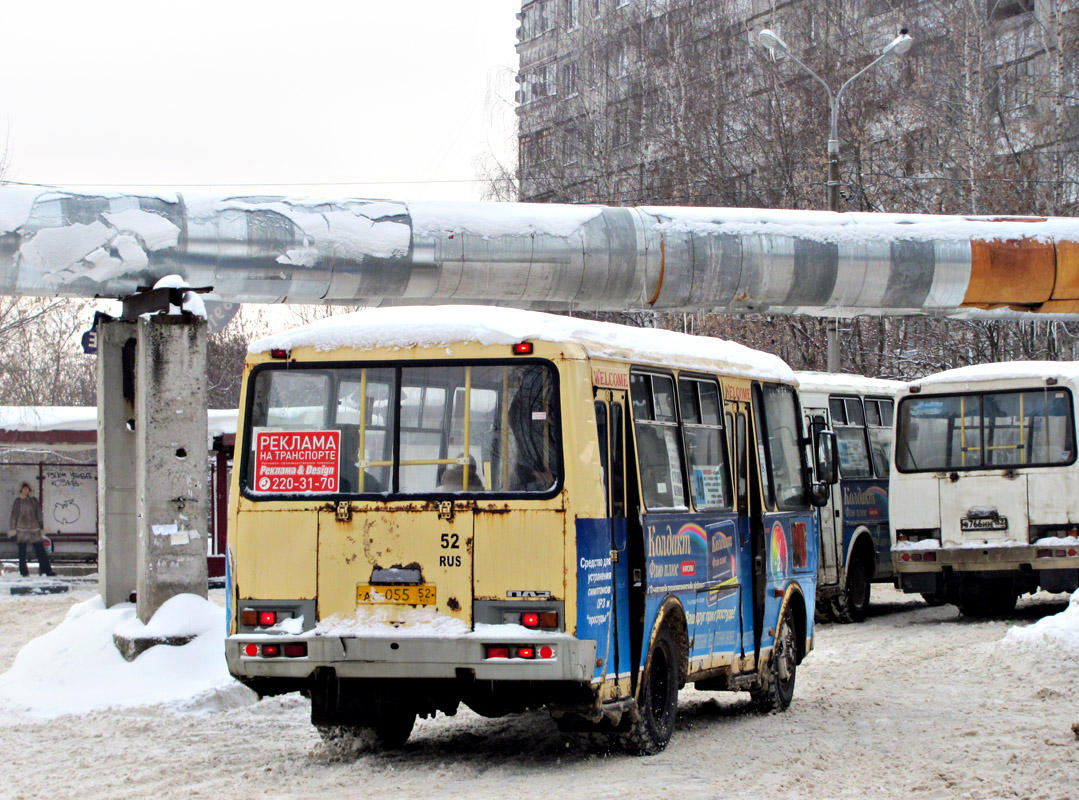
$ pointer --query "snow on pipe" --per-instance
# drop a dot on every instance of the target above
(271, 249)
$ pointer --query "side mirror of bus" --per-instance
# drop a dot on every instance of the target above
(826, 461)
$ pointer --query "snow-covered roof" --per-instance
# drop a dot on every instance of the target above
(442, 326)
(1008, 370)
(84, 418)
(838, 382)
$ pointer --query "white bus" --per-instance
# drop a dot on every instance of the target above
(985, 485)
(855, 543)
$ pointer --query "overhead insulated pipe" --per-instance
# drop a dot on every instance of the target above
(271, 249)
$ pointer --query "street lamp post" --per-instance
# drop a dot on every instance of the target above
(898, 46)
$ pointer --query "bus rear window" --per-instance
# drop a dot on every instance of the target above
(426, 429)
(987, 430)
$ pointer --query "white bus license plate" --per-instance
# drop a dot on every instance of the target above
(974, 524)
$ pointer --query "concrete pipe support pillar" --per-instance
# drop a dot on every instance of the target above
(116, 460)
(170, 459)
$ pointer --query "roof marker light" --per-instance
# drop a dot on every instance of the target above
(278, 352)
(522, 349)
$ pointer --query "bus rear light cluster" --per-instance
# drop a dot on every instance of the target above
(919, 556)
(540, 619)
(262, 617)
(291, 650)
(1061, 553)
(526, 651)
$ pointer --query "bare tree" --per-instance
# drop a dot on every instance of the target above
(673, 102)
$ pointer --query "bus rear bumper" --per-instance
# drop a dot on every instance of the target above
(1054, 567)
(569, 659)
(986, 559)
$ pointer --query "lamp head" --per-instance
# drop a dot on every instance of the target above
(769, 39)
(898, 46)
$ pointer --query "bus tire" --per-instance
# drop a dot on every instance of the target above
(852, 604)
(652, 729)
(935, 599)
(777, 678)
(389, 733)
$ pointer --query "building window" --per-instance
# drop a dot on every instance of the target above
(1002, 9)
(536, 20)
(568, 75)
(573, 12)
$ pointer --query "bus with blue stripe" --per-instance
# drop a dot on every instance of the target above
(855, 540)
(512, 510)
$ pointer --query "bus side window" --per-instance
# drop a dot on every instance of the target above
(603, 431)
(742, 467)
(658, 452)
(848, 421)
(618, 461)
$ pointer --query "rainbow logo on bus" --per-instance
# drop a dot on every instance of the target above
(779, 557)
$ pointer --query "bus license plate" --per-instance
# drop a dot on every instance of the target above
(398, 595)
(974, 524)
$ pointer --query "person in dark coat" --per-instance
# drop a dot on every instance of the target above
(27, 527)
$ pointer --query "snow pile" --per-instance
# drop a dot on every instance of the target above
(191, 302)
(1059, 629)
(76, 668)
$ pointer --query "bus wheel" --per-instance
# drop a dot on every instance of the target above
(777, 678)
(935, 598)
(652, 729)
(393, 730)
(852, 604)
(389, 733)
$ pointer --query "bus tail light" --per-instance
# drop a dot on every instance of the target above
(267, 619)
(525, 651)
(295, 650)
(271, 651)
(547, 620)
(251, 650)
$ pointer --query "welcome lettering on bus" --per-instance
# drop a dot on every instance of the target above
(297, 461)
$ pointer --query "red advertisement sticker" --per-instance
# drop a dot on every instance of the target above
(689, 568)
(297, 461)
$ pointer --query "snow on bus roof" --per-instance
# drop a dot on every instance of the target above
(841, 382)
(1004, 371)
(439, 326)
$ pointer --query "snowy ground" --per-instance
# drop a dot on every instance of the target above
(914, 703)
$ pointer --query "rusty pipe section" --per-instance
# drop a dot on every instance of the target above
(272, 249)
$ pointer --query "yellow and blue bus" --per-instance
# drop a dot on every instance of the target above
(515, 510)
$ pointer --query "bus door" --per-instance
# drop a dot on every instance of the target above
(750, 531)
(613, 599)
(826, 518)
